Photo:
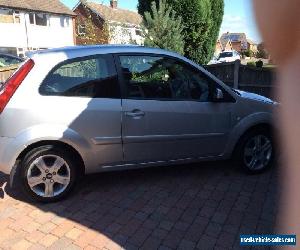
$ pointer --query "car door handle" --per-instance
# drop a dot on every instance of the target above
(135, 113)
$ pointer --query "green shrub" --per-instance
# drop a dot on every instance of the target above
(162, 29)
(248, 53)
(262, 52)
(252, 64)
(259, 64)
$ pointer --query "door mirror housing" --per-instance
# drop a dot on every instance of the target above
(219, 95)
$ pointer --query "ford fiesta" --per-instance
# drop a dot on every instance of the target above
(80, 110)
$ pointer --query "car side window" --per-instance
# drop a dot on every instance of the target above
(199, 85)
(157, 77)
(93, 76)
(145, 77)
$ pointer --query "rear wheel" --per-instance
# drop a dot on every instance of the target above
(48, 173)
(255, 152)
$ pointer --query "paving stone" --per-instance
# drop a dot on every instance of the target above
(22, 244)
(48, 240)
(226, 240)
(186, 244)
(206, 242)
(219, 217)
(166, 225)
(213, 229)
(207, 211)
(151, 243)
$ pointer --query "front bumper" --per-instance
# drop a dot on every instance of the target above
(7, 155)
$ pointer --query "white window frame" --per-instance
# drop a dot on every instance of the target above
(34, 19)
(15, 15)
(80, 26)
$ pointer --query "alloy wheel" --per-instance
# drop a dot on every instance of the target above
(258, 152)
(48, 176)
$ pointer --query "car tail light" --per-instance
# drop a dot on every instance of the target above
(10, 86)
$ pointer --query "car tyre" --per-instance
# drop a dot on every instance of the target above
(47, 173)
(255, 151)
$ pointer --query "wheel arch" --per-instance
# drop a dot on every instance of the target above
(70, 149)
(262, 125)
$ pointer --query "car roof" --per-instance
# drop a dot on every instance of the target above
(93, 49)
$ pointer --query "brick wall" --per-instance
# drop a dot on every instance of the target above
(237, 46)
(96, 33)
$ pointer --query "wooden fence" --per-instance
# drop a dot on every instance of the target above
(6, 72)
(248, 78)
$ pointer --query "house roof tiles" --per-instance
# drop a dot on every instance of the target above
(49, 6)
(234, 37)
(115, 14)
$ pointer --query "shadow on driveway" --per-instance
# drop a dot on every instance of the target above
(180, 207)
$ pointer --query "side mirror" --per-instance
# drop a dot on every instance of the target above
(219, 95)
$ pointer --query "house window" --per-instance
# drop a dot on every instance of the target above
(138, 32)
(6, 16)
(81, 29)
(38, 19)
(16, 16)
(64, 21)
(41, 19)
(31, 18)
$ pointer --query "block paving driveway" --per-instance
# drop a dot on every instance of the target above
(201, 206)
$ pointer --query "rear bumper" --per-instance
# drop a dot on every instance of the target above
(7, 155)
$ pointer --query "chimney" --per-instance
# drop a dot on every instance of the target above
(114, 4)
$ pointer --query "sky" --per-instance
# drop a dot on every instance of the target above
(238, 16)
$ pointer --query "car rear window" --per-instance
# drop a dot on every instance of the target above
(93, 76)
(226, 54)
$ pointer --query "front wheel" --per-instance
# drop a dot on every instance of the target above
(256, 151)
(48, 173)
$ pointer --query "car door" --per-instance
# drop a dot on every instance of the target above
(83, 95)
(163, 116)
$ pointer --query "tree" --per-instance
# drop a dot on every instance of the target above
(248, 53)
(262, 52)
(162, 29)
(201, 19)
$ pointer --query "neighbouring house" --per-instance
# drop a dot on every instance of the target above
(238, 41)
(219, 48)
(252, 46)
(235, 41)
(99, 24)
(223, 47)
(27, 25)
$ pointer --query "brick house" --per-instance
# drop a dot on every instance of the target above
(101, 24)
(223, 47)
(238, 41)
(218, 48)
(31, 25)
(252, 46)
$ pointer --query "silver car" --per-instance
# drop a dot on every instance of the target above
(81, 110)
